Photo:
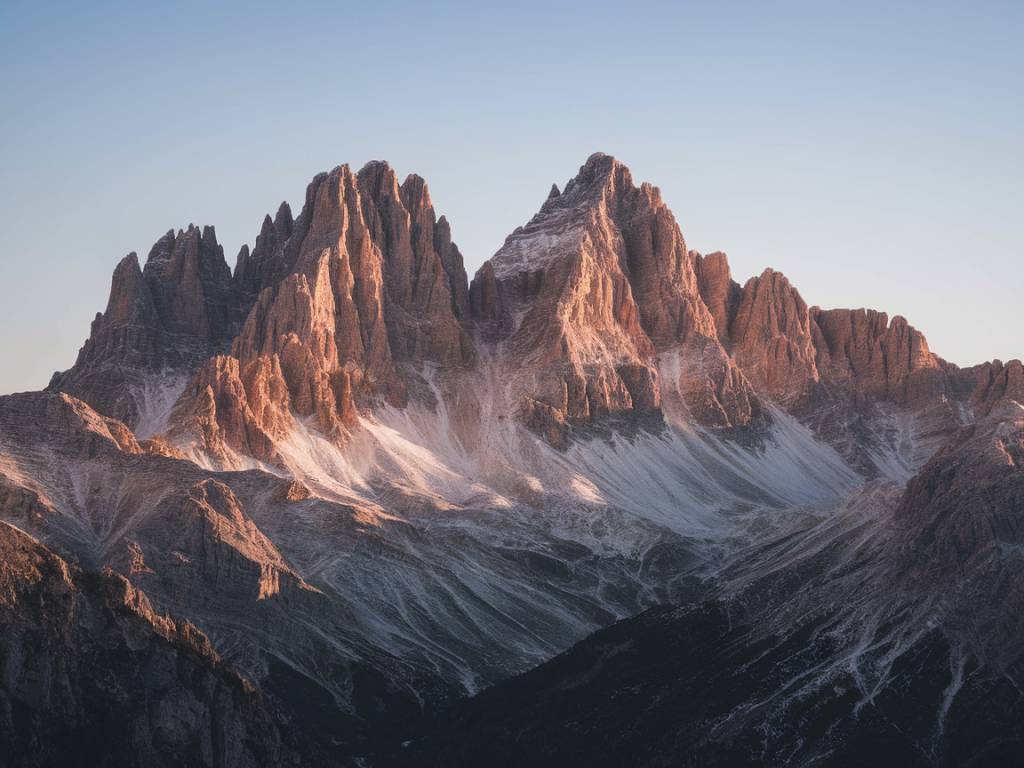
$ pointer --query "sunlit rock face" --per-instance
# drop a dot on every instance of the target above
(585, 298)
(376, 486)
(594, 309)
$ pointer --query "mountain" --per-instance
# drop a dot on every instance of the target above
(887, 633)
(94, 676)
(377, 487)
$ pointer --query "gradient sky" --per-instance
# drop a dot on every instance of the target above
(872, 152)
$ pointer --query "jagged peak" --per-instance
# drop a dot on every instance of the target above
(599, 160)
(209, 234)
(374, 166)
(346, 169)
(242, 257)
(598, 172)
(335, 176)
(128, 271)
(602, 187)
(715, 258)
(772, 275)
(129, 262)
(378, 178)
(875, 318)
(415, 193)
(168, 237)
(772, 284)
(284, 217)
(899, 321)
(281, 224)
(205, 236)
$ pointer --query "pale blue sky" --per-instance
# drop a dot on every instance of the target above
(872, 152)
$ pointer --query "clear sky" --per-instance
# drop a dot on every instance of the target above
(872, 152)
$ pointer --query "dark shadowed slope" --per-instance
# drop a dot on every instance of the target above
(92, 675)
(887, 634)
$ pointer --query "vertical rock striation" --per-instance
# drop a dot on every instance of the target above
(588, 293)
(162, 319)
(351, 300)
(594, 308)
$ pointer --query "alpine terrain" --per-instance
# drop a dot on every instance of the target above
(602, 504)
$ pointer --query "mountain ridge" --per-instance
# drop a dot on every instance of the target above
(760, 340)
(378, 485)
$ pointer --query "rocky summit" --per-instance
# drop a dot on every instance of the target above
(602, 504)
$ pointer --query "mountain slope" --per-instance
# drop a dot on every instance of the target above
(378, 487)
(93, 675)
(886, 634)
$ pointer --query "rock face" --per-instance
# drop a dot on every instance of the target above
(992, 383)
(230, 410)
(600, 281)
(93, 675)
(269, 261)
(376, 487)
(595, 308)
(961, 516)
(719, 291)
(170, 316)
(771, 338)
(352, 299)
(587, 294)
(878, 358)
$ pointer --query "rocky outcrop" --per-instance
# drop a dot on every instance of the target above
(191, 286)
(791, 352)
(845, 373)
(994, 383)
(595, 307)
(960, 520)
(352, 299)
(83, 433)
(215, 545)
(233, 411)
(886, 360)
(771, 338)
(796, 354)
(493, 319)
(93, 675)
(269, 261)
(164, 318)
(599, 282)
(334, 296)
(425, 288)
(719, 291)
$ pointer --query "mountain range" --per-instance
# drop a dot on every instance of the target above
(602, 504)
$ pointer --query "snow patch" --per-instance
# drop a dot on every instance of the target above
(155, 398)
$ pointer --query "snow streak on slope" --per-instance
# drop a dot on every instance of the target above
(484, 551)
(155, 398)
(682, 478)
